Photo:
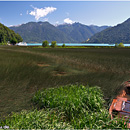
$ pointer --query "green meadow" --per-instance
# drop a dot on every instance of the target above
(25, 71)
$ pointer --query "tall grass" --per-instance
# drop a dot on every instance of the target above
(43, 119)
(66, 107)
(21, 76)
(73, 99)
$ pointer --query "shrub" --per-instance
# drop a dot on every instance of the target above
(63, 45)
(121, 45)
(3, 43)
(53, 44)
(45, 43)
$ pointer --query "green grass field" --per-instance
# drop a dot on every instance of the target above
(66, 107)
(23, 71)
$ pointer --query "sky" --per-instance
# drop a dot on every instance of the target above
(97, 13)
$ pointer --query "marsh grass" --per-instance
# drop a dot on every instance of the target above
(43, 119)
(71, 99)
(66, 107)
(21, 77)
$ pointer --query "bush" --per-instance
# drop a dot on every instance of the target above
(13, 41)
(63, 45)
(121, 45)
(3, 43)
(45, 43)
(53, 44)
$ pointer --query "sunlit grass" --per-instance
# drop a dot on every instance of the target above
(66, 107)
(72, 99)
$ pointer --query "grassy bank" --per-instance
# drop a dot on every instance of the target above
(66, 107)
(23, 71)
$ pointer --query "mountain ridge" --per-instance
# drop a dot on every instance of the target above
(75, 32)
(116, 34)
(82, 31)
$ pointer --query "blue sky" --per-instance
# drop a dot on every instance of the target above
(58, 12)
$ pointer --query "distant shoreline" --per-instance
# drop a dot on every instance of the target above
(77, 44)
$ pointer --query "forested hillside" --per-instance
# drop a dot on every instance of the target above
(80, 32)
(116, 34)
(40, 31)
(7, 34)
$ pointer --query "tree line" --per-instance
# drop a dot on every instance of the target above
(53, 44)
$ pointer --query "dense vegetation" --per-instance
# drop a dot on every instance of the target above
(7, 34)
(71, 107)
(53, 44)
(41, 31)
(120, 45)
(45, 43)
(80, 32)
(116, 34)
(23, 71)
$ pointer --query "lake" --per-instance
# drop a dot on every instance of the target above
(75, 44)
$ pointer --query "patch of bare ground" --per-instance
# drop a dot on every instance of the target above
(42, 65)
(56, 73)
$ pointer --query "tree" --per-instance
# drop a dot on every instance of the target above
(121, 45)
(45, 43)
(18, 37)
(63, 45)
(53, 44)
(13, 41)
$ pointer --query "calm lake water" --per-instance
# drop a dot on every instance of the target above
(77, 44)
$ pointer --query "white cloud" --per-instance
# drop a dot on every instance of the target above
(41, 12)
(21, 14)
(68, 21)
(15, 25)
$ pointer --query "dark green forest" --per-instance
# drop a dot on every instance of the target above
(116, 34)
(7, 34)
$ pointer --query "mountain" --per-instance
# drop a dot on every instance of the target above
(40, 31)
(116, 34)
(80, 32)
(7, 34)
